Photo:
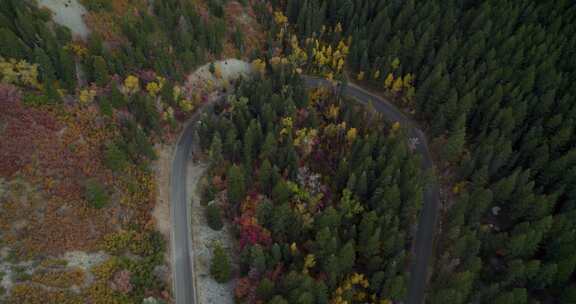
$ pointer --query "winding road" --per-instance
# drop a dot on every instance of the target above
(183, 281)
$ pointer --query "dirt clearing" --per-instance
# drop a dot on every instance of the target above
(69, 13)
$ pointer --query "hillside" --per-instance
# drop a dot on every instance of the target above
(81, 110)
(492, 81)
(293, 151)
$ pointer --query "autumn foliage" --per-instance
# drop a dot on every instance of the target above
(63, 196)
(312, 183)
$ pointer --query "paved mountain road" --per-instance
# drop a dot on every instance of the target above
(183, 259)
(183, 280)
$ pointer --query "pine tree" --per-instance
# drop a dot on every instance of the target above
(117, 99)
(239, 40)
(265, 177)
(96, 194)
(95, 45)
(332, 269)
(63, 35)
(249, 142)
(264, 213)
(143, 146)
(66, 69)
(362, 187)
(220, 268)
(231, 144)
(364, 63)
(52, 93)
(115, 157)
(215, 153)
(213, 217)
(265, 289)
(455, 142)
(397, 288)
(105, 107)
(281, 193)
(100, 68)
(347, 257)
(258, 258)
(276, 254)
(188, 60)
(45, 65)
(167, 94)
(236, 184)
(12, 46)
(282, 221)
(545, 276)
(368, 245)
(269, 147)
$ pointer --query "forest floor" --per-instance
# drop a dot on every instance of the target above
(8, 269)
(11, 271)
(229, 69)
(69, 13)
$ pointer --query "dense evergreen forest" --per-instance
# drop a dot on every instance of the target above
(322, 193)
(167, 43)
(494, 86)
(171, 40)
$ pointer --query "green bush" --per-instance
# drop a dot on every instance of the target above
(96, 194)
(208, 194)
(213, 217)
(220, 268)
(105, 107)
(34, 100)
(115, 157)
(20, 274)
(117, 99)
(265, 289)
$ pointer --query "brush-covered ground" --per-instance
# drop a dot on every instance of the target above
(84, 112)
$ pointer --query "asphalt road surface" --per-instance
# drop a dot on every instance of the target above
(183, 281)
(427, 223)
